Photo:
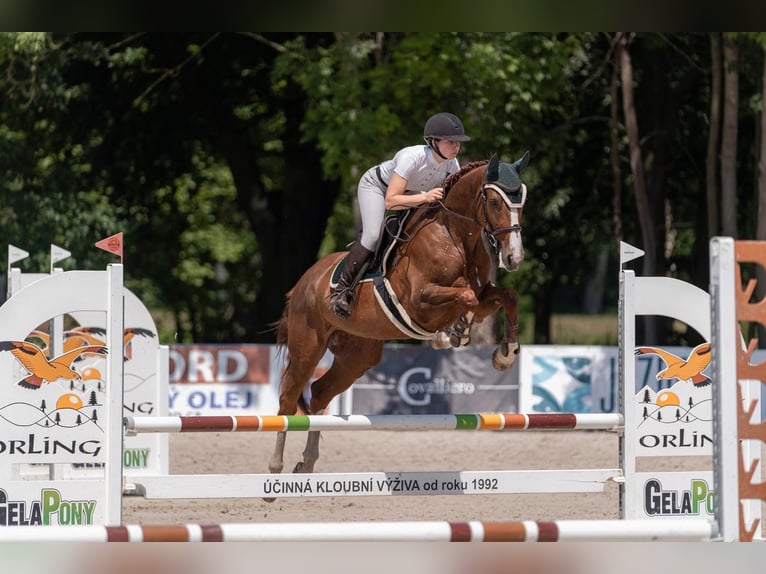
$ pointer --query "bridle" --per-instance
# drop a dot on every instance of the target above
(490, 234)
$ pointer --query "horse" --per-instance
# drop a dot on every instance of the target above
(443, 274)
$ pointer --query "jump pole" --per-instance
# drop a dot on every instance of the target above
(274, 423)
(424, 531)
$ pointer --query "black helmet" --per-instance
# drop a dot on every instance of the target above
(445, 126)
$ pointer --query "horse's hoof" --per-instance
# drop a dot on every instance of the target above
(505, 356)
(299, 468)
(269, 499)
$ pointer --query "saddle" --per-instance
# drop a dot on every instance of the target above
(384, 257)
(396, 230)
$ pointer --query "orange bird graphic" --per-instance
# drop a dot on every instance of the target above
(41, 370)
(87, 335)
(689, 369)
(129, 333)
(92, 336)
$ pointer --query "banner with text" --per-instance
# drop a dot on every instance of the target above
(416, 379)
(228, 379)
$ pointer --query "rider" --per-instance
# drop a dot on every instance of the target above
(412, 178)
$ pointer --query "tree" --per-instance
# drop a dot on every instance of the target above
(230, 160)
(711, 161)
(729, 138)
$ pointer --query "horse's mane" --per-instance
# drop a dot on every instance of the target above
(452, 179)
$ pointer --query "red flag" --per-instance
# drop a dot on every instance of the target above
(112, 244)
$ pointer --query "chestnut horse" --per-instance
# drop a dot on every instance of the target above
(444, 272)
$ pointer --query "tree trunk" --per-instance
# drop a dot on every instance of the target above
(636, 161)
(760, 230)
(543, 311)
(637, 168)
(614, 152)
(729, 140)
(714, 134)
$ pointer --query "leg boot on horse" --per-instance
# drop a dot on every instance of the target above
(342, 297)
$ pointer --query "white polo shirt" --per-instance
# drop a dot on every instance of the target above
(419, 167)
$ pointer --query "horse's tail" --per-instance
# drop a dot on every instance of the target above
(280, 326)
(282, 336)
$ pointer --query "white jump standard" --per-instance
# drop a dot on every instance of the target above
(639, 296)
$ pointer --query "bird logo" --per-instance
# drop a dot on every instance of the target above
(127, 337)
(41, 370)
(95, 336)
(689, 369)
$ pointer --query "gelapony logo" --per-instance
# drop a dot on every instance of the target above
(661, 502)
(51, 509)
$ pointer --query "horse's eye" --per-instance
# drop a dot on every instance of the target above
(494, 204)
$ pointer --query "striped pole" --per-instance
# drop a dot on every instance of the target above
(437, 531)
(273, 423)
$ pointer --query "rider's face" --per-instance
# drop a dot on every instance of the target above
(449, 148)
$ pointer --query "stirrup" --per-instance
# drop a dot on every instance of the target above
(342, 303)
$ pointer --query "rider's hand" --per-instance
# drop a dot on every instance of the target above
(434, 194)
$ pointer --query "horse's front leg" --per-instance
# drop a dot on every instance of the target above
(491, 300)
(435, 298)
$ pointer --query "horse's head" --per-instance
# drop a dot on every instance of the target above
(503, 195)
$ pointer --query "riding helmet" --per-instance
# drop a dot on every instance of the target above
(445, 126)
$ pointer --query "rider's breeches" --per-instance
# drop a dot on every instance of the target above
(372, 206)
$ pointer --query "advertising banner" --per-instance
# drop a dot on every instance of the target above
(416, 379)
(229, 379)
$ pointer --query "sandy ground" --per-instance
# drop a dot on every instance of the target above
(365, 451)
(347, 451)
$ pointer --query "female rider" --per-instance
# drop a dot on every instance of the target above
(412, 178)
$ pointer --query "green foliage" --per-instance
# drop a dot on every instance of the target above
(231, 160)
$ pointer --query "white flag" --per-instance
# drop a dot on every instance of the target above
(58, 254)
(628, 253)
(15, 254)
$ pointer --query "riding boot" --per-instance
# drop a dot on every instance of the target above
(342, 297)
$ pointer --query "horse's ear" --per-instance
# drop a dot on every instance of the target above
(491, 173)
(520, 164)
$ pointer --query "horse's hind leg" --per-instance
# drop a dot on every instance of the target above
(353, 356)
(276, 462)
(296, 375)
(299, 369)
(310, 453)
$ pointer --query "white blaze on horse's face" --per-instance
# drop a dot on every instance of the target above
(513, 260)
(511, 250)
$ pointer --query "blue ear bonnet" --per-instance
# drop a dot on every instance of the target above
(506, 176)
